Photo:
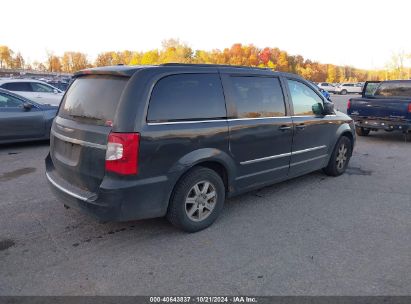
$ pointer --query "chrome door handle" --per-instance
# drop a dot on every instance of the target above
(284, 128)
(300, 127)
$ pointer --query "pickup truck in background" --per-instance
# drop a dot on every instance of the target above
(383, 105)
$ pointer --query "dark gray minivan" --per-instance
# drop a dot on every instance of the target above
(134, 142)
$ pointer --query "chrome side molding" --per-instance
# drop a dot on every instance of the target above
(247, 162)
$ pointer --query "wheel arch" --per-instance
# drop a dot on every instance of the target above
(343, 130)
(211, 158)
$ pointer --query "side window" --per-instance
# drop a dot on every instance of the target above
(303, 97)
(257, 96)
(187, 97)
(41, 88)
(7, 101)
(17, 86)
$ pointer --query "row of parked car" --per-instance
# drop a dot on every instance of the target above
(27, 108)
(342, 88)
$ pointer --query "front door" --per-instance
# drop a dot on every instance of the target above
(46, 94)
(260, 129)
(311, 131)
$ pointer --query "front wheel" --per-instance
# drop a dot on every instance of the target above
(197, 200)
(343, 92)
(340, 157)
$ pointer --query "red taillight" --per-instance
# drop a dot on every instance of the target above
(409, 107)
(349, 104)
(122, 153)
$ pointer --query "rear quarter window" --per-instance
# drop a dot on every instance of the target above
(394, 89)
(93, 99)
(187, 97)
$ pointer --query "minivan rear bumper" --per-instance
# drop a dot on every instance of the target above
(136, 200)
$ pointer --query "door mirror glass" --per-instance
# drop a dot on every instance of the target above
(56, 91)
(328, 108)
(317, 108)
(27, 106)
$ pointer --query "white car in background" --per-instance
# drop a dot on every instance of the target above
(326, 86)
(347, 88)
(35, 90)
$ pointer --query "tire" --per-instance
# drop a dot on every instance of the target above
(360, 131)
(189, 208)
(343, 92)
(340, 157)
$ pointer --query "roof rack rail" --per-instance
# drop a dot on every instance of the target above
(213, 65)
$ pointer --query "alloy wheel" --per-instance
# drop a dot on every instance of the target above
(200, 201)
(341, 157)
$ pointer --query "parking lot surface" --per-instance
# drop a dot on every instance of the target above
(313, 235)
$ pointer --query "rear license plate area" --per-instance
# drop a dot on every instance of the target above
(66, 152)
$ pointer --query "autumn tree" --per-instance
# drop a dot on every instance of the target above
(175, 51)
(331, 73)
(396, 66)
(104, 59)
(18, 61)
(74, 61)
(38, 66)
(150, 57)
(5, 56)
(53, 62)
(282, 63)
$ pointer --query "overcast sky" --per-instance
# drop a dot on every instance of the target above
(360, 33)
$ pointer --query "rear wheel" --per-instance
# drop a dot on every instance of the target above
(197, 200)
(362, 131)
(340, 157)
(343, 92)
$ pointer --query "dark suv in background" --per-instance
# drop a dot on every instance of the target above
(175, 140)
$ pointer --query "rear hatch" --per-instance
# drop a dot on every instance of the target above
(80, 131)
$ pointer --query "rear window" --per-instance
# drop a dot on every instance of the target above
(93, 99)
(187, 97)
(370, 88)
(396, 89)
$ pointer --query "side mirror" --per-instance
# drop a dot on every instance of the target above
(328, 108)
(55, 91)
(27, 106)
(317, 109)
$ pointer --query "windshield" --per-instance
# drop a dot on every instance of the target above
(93, 99)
